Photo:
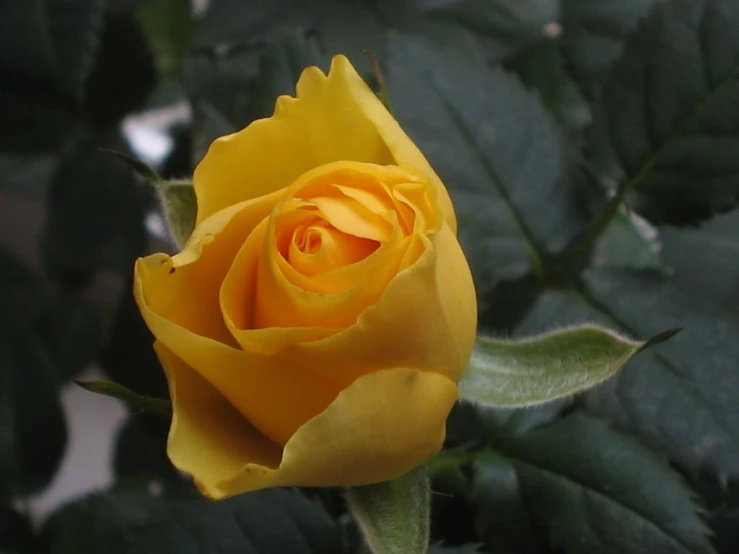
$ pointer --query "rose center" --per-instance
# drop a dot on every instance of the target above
(318, 247)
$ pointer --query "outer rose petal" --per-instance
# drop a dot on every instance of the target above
(334, 117)
(208, 437)
(382, 426)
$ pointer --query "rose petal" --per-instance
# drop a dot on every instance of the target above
(426, 319)
(182, 310)
(334, 117)
(382, 426)
(208, 437)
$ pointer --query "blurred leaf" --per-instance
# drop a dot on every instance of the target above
(132, 398)
(128, 358)
(505, 169)
(168, 25)
(27, 174)
(705, 261)
(280, 67)
(72, 331)
(599, 491)
(95, 218)
(16, 533)
(671, 104)
(124, 73)
(32, 125)
(262, 522)
(535, 370)
(628, 241)
(594, 32)
(394, 515)
(141, 450)
(506, 20)
(463, 549)
(32, 429)
(51, 44)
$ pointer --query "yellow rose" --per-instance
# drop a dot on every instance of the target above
(315, 325)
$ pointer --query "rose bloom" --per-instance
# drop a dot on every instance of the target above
(315, 325)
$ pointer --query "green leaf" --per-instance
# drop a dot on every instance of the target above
(628, 241)
(124, 73)
(133, 399)
(128, 358)
(96, 216)
(599, 491)
(505, 168)
(512, 373)
(31, 125)
(680, 397)
(72, 331)
(594, 32)
(141, 451)
(29, 175)
(510, 21)
(463, 549)
(168, 25)
(394, 515)
(51, 44)
(671, 107)
(32, 428)
(16, 533)
(262, 522)
(705, 261)
(541, 67)
(501, 516)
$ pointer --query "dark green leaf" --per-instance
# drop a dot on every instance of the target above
(628, 241)
(505, 169)
(129, 358)
(168, 24)
(501, 517)
(72, 331)
(671, 106)
(31, 124)
(51, 44)
(16, 533)
(594, 34)
(124, 73)
(263, 522)
(32, 429)
(705, 261)
(681, 397)
(95, 216)
(506, 20)
(463, 549)
(29, 175)
(599, 491)
(541, 67)
(141, 450)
